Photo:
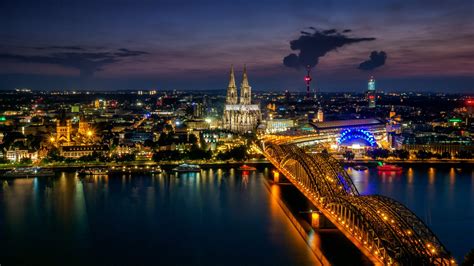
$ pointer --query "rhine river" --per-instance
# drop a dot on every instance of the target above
(217, 217)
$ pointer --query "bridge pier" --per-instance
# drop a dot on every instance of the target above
(276, 177)
(319, 221)
(315, 219)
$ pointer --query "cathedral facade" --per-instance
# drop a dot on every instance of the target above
(240, 115)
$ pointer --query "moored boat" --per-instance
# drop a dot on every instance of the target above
(389, 168)
(93, 171)
(247, 168)
(183, 168)
(360, 168)
(136, 169)
(29, 172)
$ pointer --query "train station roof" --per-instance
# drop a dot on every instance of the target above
(347, 123)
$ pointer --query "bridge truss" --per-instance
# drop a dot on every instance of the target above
(382, 228)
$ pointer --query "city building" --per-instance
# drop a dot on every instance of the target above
(83, 150)
(279, 125)
(353, 133)
(240, 115)
(63, 130)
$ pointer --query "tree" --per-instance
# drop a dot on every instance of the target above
(445, 155)
(402, 154)
(26, 160)
(468, 258)
(167, 156)
(464, 155)
(196, 153)
(192, 139)
(378, 153)
(149, 143)
(349, 155)
(54, 155)
(421, 154)
(238, 153)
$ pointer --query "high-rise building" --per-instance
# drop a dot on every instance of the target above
(240, 116)
(320, 115)
(371, 93)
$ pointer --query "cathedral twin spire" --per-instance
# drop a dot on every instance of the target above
(245, 89)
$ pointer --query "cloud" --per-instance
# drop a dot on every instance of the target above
(122, 52)
(376, 59)
(76, 48)
(86, 62)
(312, 46)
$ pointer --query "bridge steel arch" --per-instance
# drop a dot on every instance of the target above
(382, 228)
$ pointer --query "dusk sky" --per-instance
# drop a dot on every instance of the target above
(428, 44)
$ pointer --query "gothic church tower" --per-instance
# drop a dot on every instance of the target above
(245, 89)
(231, 89)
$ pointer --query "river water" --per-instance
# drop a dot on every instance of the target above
(217, 217)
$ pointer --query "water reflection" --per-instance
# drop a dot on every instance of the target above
(208, 216)
(441, 196)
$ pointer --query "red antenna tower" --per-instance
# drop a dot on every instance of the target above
(307, 80)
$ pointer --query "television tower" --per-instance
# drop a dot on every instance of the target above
(307, 80)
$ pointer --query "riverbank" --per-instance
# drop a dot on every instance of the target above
(164, 164)
(209, 164)
(409, 162)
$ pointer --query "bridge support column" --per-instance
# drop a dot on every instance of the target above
(319, 221)
(276, 177)
(315, 220)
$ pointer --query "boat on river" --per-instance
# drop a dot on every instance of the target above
(136, 169)
(29, 172)
(389, 168)
(93, 171)
(247, 168)
(360, 168)
(187, 168)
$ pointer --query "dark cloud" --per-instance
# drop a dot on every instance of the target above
(312, 46)
(376, 59)
(122, 52)
(76, 48)
(86, 62)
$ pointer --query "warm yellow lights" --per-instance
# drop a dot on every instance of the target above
(90, 133)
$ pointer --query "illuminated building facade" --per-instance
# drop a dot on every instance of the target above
(240, 115)
(63, 130)
(357, 133)
(371, 94)
(279, 125)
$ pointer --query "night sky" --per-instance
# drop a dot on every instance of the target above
(425, 45)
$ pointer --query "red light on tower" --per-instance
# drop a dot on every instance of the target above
(307, 79)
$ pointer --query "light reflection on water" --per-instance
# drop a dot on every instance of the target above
(442, 196)
(216, 217)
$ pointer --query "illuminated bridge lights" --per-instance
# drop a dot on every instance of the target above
(347, 209)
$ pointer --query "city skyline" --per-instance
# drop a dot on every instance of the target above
(177, 45)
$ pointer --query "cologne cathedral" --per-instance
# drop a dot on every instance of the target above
(240, 115)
